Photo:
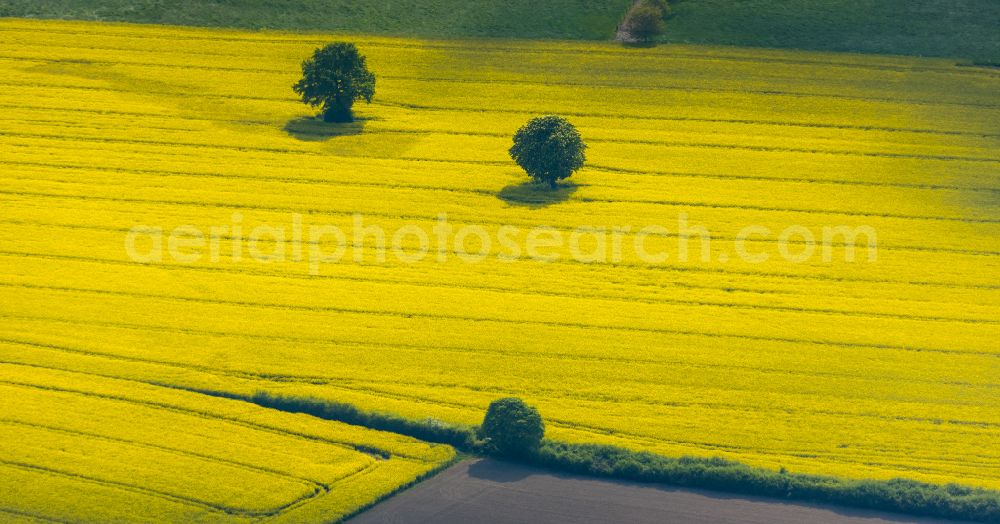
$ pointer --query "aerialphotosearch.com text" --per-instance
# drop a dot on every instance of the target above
(365, 240)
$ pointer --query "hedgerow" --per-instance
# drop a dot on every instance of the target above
(429, 430)
(896, 495)
(949, 501)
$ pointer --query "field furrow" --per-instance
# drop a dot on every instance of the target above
(874, 357)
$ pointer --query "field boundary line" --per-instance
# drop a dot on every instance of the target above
(567, 424)
(489, 193)
(185, 33)
(746, 122)
(441, 316)
(341, 382)
(292, 61)
(169, 450)
(679, 269)
(461, 109)
(320, 380)
(356, 385)
(686, 89)
(671, 145)
(290, 209)
(728, 335)
(189, 411)
(662, 144)
(359, 385)
(168, 407)
(179, 499)
(673, 174)
(180, 152)
(307, 276)
(651, 267)
(33, 516)
(702, 446)
(508, 291)
(316, 380)
(577, 426)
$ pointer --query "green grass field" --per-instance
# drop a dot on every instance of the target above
(573, 19)
(967, 29)
(964, 29)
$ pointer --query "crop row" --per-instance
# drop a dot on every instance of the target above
(854, 369)
(109, 435)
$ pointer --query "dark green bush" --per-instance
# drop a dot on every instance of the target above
(549, 149)
(644, 22)
(512, 428)
(334, 78)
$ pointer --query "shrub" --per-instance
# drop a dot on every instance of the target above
(645, 22)
(549, 149)
(512, 428)
(334, 78)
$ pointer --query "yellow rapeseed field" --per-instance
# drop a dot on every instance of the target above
(872, 368)
(84, 446)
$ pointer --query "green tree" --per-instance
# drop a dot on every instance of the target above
(334, 78)
(549, 149)
(512, 427)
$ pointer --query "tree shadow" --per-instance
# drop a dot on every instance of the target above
(536, 196)
(314, 129)
(500, 471)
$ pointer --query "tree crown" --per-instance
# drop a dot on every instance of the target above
(645, 22)
(549, 149)
(335, 77)
(513, 427)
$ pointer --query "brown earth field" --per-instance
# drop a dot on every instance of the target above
(487, 491)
